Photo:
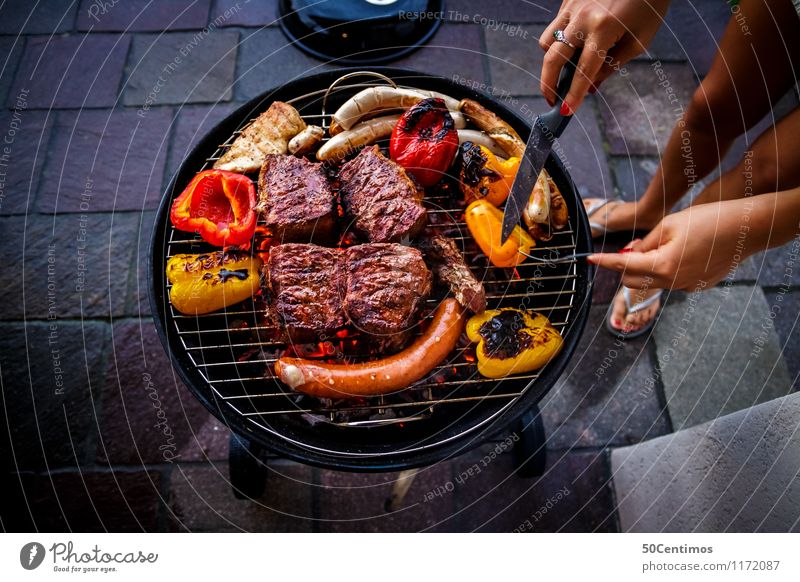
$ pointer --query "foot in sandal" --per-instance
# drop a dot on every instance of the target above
(609, 215)
(633, 312)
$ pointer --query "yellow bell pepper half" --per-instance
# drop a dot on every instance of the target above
(208, 282)
(484, 175)
(485, 223)
(512, 341)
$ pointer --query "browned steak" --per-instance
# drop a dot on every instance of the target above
(385, 288)
(451, 269)
(380, 196)
(295, 199)
(307, 285)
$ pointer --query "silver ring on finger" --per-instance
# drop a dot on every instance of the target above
(559, 35)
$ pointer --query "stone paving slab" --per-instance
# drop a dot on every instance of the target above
(143, 15)
(698, 27)
(191, 125)
(737, 473)
(633, 175)
(787, 323)
(54, 372)
(29, 134)
(502, 11)
(637, 113)
(715, 356)
(581, 147)
(607, 396)
(202, 500)
(574, 495)
(148, 416)
(266, 61)
(24, 17)
(118, 501)
(138, 301)
(90, 274)
(11, 49)
(70, 71)
(105, 160)
(454, 51)
(181, 67)
(356, 502)
(515, 59)
(261, 13)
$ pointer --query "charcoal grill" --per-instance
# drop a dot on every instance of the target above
(225, 358)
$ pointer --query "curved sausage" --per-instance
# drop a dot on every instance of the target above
(380, 376)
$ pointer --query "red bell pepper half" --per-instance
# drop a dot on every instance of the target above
(425, 141)
(218, 205)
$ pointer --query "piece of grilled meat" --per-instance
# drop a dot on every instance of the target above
(378, 194)
(268, 134)
(386, 285)
(295, 199)
(307, 284)
(450, 268)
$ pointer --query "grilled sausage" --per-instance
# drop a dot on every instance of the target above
(381, 376)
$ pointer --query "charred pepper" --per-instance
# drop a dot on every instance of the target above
(485, 223)
(424, 141)
(219, 206)
(512, 341)
(484, 175)
(211, 281)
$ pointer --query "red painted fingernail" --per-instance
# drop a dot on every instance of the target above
(625, 250)
(617, 322)
(565, 110)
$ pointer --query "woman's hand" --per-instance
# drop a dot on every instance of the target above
(700, 246)
(611, 33)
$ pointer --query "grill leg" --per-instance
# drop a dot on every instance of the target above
(530, 454)
(247, 472)
(399, 490)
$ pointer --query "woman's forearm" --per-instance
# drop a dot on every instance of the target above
(773, 219)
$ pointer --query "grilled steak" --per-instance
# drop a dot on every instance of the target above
(448, 264)
(385, 287)
(307, 285)
(379, 195)
(268, 134)
(295, 199)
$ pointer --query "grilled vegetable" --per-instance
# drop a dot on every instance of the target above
(485, 223)
(512, 341)
(484, 175)
(383, 98)
(362, 134)
(381, 376)
(496, 128)
(218, 205)
(424, 141)
(208, 282)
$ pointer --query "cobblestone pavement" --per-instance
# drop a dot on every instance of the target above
(91, 146)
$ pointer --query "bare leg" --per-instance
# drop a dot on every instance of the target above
(771, 165)
(749, 74)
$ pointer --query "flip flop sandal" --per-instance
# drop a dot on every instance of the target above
(601, 229)
(626, 294)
